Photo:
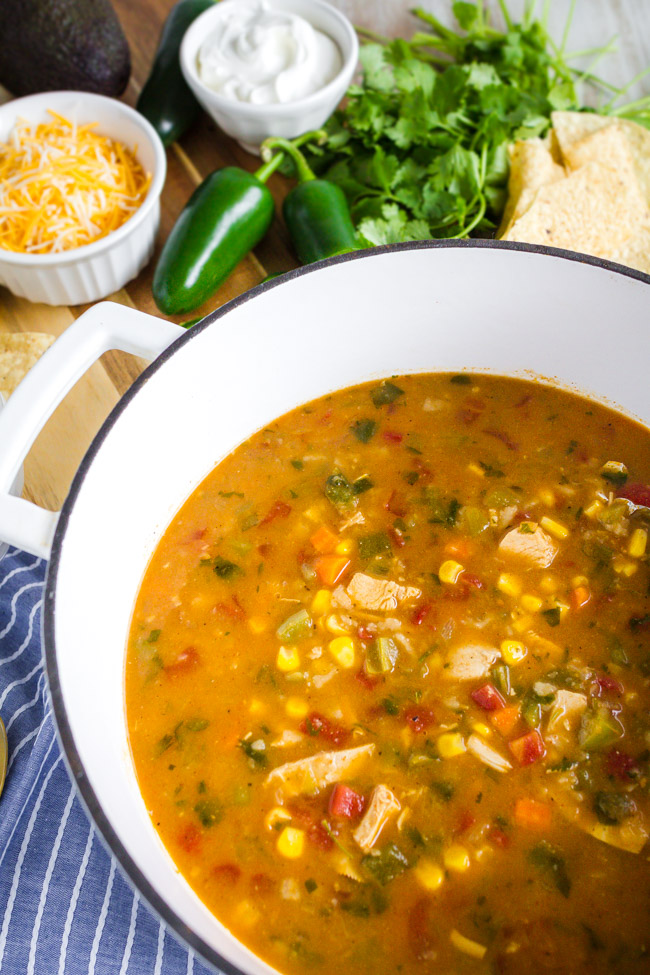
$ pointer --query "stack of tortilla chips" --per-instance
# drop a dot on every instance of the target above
(18, 353)
(585, 187)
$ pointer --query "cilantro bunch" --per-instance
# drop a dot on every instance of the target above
(420, 148)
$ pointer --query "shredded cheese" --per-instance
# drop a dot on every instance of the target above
(63, 185)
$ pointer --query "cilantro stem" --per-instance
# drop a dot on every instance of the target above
(567, 26)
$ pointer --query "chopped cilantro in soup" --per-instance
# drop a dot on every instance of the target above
(388, 684)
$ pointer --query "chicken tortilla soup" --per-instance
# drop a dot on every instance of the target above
(388, 684)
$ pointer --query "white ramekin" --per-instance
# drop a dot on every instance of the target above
(95, 270)
(251, 124)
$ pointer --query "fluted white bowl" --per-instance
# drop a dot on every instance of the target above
(91, 272)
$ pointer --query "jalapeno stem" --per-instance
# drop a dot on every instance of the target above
(290, 147)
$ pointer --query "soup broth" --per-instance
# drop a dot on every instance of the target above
(388, 684)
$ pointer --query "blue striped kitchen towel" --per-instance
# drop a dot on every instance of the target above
(65, 909)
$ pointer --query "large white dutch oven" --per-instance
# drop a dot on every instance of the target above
(473, 305)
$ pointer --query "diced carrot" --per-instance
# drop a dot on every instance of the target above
(528, 748)
(505, 719)
(532, 814)
(330, 568)
(461, 548)
(324, 540)
(580, 596)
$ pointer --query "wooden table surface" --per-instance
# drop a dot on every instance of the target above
(51, 463)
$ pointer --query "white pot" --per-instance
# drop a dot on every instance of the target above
(456, 306)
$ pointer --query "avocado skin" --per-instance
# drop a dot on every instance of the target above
(50, 45)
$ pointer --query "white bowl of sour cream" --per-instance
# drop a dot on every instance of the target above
(269, 67)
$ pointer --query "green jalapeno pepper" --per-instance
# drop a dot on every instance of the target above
(315, 211)
(224, 219)
(166, 99)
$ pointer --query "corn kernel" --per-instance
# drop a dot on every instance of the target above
(334, 625)
(247, 914)
(429, 874)
(257, 625)
(275, 816)
(451, 744)
(435, 662)
(296, 707)
(481, 729)
(548, 584)
(594, 509)
(256, 707)
(475, 469)
(522, 624)
(513, 652)
(291, 842)
(578, 581)
(638, 543)
(344, 547)
(342, 649)
(554, 528)
(287, 659)
(314, 514)
(509, 584)
(531, 603)
(450, 572)
(466, 945)
(456, 857)
(321, 602)
(624, 568)
(547, 497)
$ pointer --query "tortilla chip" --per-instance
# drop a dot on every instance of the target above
(592, 211)
(570, 127)
(636, 251)
(18, 353)
(531, 165)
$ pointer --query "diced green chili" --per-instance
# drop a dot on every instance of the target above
(500, 674)
(197, 724)
(462, 379)
(153, 636)
(298, 464)
(226, 569)
(374, 544)
(362, 484)
(598, 728)
(549, 860)
(295, 627)
(339, 491)
(473, 520)
(386, 865)
(255, 750)
(386, 392)
(381, 655)
(364, 430)
(612, 808)
(209, 812)
(615, 472)
(552, 616)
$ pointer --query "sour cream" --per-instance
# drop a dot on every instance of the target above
(266, 56)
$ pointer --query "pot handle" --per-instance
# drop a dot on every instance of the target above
(105, 326)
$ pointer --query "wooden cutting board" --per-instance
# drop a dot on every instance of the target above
(55, 456)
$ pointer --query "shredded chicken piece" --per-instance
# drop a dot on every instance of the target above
(287, 738)
(565, 714)
(470, 661)
(355, 519)
(530, 543)
(486, 754)
(383, 805)
(310, 775)
(379, 595)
